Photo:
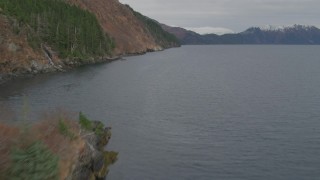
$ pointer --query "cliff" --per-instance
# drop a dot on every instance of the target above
(119, 22)
(56, 148)
(43, 36)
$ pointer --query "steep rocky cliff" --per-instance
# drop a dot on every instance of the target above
(40, 36)
(130, 34)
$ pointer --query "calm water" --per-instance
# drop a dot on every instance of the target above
(197, 112)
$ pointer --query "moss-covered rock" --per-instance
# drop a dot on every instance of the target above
(93, 161)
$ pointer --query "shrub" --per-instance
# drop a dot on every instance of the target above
(65, 130)
(35, 162)
(99, 129)
(84, 122)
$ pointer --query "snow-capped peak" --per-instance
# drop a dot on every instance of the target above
(283, 28)
(272, 28)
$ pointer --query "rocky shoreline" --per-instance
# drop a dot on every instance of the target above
(36, 68)
(26, 49)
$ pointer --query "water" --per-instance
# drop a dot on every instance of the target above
(197, 112)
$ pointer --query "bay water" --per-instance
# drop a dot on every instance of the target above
(196, 112)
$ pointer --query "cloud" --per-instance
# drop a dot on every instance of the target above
(210, 30)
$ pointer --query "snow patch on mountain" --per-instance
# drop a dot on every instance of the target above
(210, 30)
(285, 27)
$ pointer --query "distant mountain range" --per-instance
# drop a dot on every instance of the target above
(296, 34)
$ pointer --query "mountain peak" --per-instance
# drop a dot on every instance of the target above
(294, 34)
(287, 27)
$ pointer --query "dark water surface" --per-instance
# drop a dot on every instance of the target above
(197, 112)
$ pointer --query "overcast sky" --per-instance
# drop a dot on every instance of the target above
(216, 16)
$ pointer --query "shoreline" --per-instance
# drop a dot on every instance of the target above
(69, 65)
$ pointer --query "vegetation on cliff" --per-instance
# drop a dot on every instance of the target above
(35, 162)
(73, 32)
(40, 36)
(55, 148)
(161, 36)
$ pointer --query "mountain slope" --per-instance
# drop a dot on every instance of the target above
(162, 37)
(120, 22)
(185, 36)
(11, 51)
(296, 34)
(48, 35)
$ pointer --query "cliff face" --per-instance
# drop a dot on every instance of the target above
(16, 55)
(48, 36)
(129, 33)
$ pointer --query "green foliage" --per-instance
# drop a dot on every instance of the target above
(35, 162)
(84, 122)
(96, 126)
(72, 31)
(162, 37)
(99, 129)
(65, 130)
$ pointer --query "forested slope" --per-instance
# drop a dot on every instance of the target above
(71, 31)
(48, 35)
(162, 37)
(131, 33)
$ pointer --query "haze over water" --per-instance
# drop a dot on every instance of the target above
(197, 112)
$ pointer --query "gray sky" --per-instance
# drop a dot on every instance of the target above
(216, 16)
